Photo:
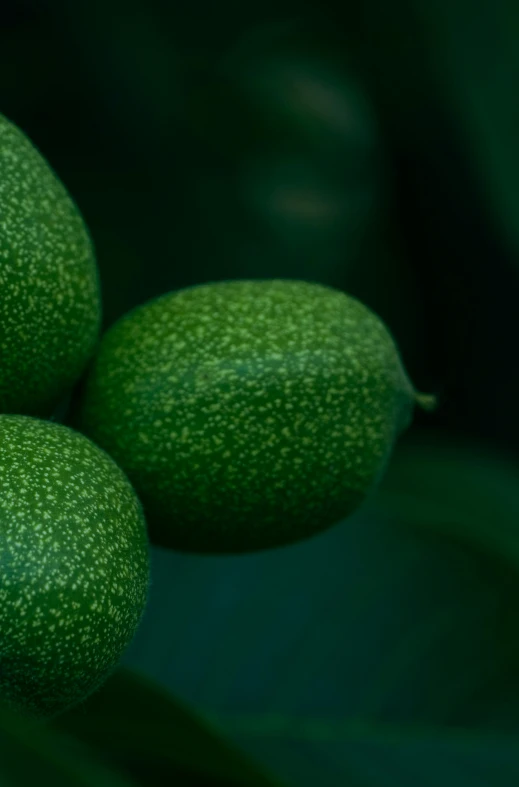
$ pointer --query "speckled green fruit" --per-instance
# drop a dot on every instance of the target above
(50, 300)
(73, 565)
(247, 414)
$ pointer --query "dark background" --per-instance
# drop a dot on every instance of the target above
(190, 143)
(372, 146)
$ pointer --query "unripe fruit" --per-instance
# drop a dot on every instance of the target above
(247, 414)
(73, 565)
(50, 300)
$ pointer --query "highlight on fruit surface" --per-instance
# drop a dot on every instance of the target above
(248, 414)
(74, 565)
(50, 307)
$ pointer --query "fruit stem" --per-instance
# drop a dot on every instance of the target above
(427, 402)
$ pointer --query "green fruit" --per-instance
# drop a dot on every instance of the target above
(50, 303)
(247, 414)
(73, 565)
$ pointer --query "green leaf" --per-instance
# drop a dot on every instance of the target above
(137, 724)
(444, 76)
(31, 754)
(371, 623)
(473, 53)
(377, 755)
(460, 489)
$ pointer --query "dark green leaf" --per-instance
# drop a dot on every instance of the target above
(458, 489)
(368, 623)
(473, 52)
(138, 724)
(31, 754)
(371, 755)
(448, 67)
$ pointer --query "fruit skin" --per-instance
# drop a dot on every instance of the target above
(50, 308)
(74, 565)
(247, 414)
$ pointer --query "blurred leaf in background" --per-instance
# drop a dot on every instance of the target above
(308, 655)
(32, 754)
(458, 489)
(478, 74)
(145, 730)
